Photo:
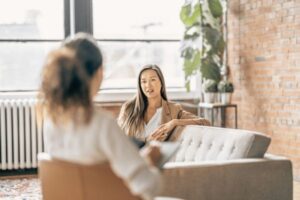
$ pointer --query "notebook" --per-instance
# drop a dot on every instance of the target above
(167, 149)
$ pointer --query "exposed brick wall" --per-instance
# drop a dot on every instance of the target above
(264, 61)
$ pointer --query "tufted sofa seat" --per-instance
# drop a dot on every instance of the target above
(226, 164)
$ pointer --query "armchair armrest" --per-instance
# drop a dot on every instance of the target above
(269, 178)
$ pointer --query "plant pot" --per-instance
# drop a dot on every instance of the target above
(209, 97)
(218, 97)
(226, 98)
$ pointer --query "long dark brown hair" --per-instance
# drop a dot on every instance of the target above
(66, 79)
(131, 117)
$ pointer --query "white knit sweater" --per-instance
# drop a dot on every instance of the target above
(102, 140)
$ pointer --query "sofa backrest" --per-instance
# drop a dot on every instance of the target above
(201, 143)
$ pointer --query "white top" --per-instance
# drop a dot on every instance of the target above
(102, 140)
(153, 123)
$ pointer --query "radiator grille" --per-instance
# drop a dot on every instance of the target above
(21, 137)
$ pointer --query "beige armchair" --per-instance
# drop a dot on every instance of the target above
(63, 180)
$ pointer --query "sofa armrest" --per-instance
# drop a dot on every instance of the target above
(247, 179)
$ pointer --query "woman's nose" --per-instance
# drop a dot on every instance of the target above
(148, 84)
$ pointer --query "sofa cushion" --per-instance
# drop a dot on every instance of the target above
(200, 143)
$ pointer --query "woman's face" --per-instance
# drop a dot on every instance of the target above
(150, 84)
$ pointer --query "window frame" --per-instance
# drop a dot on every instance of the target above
(78, 17)
(125, 94)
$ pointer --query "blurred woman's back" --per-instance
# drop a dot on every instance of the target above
(74, 129)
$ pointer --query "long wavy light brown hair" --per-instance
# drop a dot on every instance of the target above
(66, 79)
(131, 118)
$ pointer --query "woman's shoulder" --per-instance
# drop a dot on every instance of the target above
(174, 105)
(105, 121)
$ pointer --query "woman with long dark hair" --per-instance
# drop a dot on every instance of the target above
(149, 115)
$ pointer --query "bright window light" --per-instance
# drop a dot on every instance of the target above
(134, 33)
(31, 19)
(137, 19)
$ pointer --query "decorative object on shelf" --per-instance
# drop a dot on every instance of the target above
(203, 43)
(210, 89)
(226, 89)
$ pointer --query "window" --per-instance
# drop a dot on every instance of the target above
(131, 34)
(28, 30)
(31, 19)
(21, 63)
(137, 19)
(134, 33)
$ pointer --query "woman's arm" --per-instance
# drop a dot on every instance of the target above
(183, 118)
(187, 118)
(127, 163)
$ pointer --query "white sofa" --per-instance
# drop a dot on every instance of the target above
(226, 164)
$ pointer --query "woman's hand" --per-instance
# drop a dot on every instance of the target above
(151, 153)
(205, 122)
(161, 133)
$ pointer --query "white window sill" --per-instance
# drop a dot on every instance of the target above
(109, 96)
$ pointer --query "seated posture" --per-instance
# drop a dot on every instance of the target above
(77, 132)
(149, 115)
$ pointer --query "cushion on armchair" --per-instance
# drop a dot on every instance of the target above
(201, 143)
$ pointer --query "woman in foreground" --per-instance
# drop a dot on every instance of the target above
(149, 115)
(75, 131)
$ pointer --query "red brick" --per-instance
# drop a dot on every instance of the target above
(267, 90)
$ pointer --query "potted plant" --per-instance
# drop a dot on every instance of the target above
(203, 45)
(210, 89)
(226, 89)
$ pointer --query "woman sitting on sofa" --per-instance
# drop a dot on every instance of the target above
(75, 131)
(149, 115)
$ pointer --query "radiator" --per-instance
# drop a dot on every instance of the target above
(21, 137)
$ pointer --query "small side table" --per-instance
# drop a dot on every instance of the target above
(212, 106)
(222, 107)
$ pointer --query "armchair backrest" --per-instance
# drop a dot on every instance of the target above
(62, 180)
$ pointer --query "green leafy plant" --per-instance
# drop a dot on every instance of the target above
(210, 85)
(225, 86)
(203, 43)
